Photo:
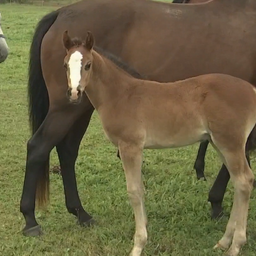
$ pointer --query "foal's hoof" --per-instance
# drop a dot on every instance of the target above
(232, 252)
(87, 223)
(34, 231)
(219, 246)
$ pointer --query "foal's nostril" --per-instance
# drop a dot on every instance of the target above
(79, 92)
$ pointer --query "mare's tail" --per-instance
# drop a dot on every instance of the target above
(38, 95)
(181, 1)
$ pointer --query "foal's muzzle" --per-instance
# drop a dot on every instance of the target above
(74, 95)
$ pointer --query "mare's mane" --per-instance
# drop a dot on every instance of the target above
(77, 42)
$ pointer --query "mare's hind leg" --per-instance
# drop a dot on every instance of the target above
(199, 163)
(132, 160)
(51, 132)
(218, 190)
(68, 151)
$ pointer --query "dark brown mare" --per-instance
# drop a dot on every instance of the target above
(139, 114)
(163, 42)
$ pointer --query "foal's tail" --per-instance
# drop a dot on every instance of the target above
(38, 95)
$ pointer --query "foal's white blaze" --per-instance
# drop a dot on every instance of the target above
(75, 65)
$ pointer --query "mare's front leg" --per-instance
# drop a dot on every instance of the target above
(68, 151)
(131, 156)
(54, 128)
(199, 163)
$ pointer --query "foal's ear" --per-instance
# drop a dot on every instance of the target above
(89, 42)
(67, 42)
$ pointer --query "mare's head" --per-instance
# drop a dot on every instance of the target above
(77, 63)
(4, 50)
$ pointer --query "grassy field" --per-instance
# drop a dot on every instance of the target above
(176, 203)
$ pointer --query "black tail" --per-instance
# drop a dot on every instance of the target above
(37, 92)
(38, 96)
(180, 1)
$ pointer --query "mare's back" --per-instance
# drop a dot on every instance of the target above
(167, 42)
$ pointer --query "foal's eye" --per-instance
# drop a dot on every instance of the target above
(87, 66)
(65, 65)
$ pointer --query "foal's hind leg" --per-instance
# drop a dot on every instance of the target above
(242, 177)
(199, 163)
(68, 151)
(132, 160)
(51, 132)
(218, 190)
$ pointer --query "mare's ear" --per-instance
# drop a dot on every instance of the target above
(89, 42)
(67, 42)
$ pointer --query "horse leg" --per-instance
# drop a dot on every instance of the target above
(242, 178)
(218, 190)
(199, 163)
(67, 151)
(131, 157)
(51, 132)
(249, 163)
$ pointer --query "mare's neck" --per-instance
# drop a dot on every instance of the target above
(235, 3)
(107, 82)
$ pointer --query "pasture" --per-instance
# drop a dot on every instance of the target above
(179, 221)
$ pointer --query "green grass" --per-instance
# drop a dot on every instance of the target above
(176, 203)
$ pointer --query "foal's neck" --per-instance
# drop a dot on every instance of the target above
(107, 81)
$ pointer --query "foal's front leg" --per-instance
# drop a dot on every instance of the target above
(131, 156)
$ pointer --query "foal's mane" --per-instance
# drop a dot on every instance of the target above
(77, 42)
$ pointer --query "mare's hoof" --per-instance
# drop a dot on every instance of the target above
(34, 231)
(201, 178)
(199, 173)
(87, 223)
(217, 214)
(217, 210)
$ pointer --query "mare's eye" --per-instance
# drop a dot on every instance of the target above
(87, 66)
(65, 65)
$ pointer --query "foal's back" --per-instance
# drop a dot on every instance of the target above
(184, 112)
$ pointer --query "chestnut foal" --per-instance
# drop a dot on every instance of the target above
(138, 114)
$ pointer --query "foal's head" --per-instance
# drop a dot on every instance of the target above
(77, 63)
